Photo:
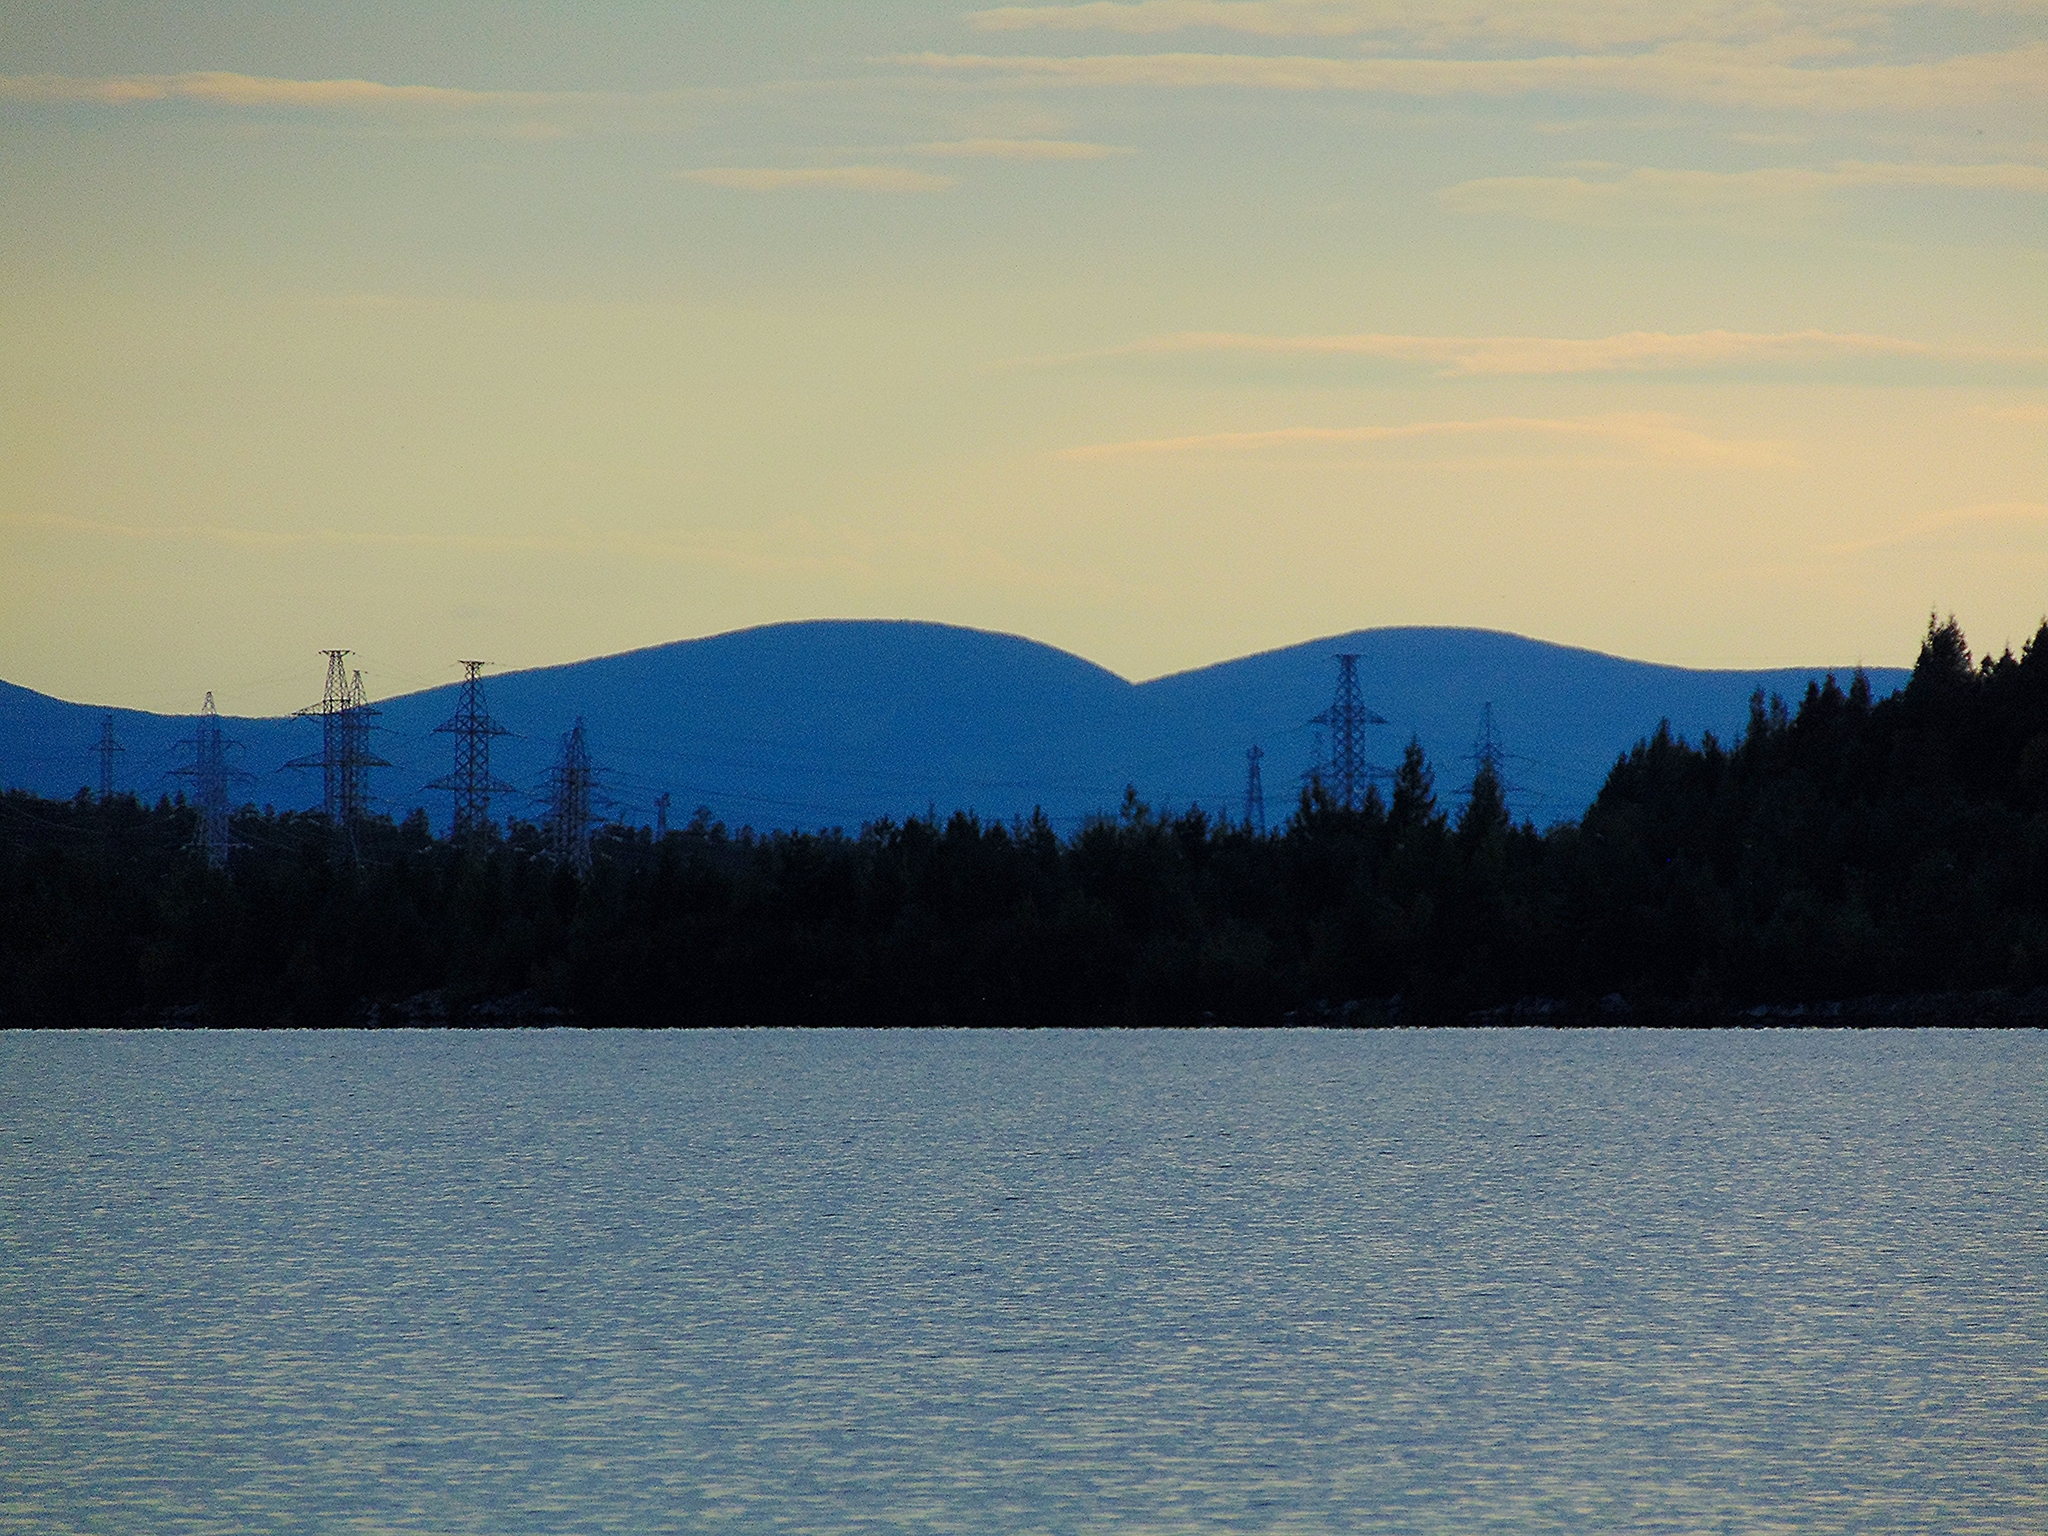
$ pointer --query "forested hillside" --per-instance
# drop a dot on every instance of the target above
(1841, 848)
(843, 722)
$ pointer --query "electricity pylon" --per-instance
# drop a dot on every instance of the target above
(1489, 755)
(1254, 791)
(209, 773)
(1347, 717)
(471, 782)
(571, 786)
(360, 759)
(1486, 752)
(345, 758)
(104, 749)
(661, 805)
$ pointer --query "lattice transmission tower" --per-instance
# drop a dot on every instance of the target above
(1488, 754)
(1254, 790)
(572, 786)
(360, 759)
(471, 782)
(1346, 719)
(1486, 751)
(209, 773)
(105, 750)
(345, 758)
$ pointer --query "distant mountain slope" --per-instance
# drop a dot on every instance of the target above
(840, 722)
(1562, 714)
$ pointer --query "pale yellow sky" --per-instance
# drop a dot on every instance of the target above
(1162, 331)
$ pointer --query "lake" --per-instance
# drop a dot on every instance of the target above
(1136, 1283)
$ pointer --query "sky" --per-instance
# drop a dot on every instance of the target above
(1161, 331)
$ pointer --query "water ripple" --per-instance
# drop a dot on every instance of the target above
(556, 1282)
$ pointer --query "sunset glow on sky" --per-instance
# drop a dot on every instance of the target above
(1161, 331)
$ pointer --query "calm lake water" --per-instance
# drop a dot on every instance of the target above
(540, 1282)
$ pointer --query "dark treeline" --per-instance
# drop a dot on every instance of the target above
(1842, 848)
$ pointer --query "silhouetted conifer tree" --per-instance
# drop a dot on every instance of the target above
(1414, 802)
(1943, 671)
(1486, 810)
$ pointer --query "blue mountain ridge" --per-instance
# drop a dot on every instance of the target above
(841, 722)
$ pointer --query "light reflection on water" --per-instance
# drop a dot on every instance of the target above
(532, 1282)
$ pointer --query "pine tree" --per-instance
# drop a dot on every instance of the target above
(1414, 790)
(1486, 811)
(1943, 672)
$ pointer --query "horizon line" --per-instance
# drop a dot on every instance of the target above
(1844, 670)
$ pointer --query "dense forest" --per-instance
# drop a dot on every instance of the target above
(1844, 848)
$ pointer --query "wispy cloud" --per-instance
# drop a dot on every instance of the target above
(1445, 23)
(1018, 149)
(787, 547)
(576, 543)
(1652, 435)
(1945, 525)
(1704, 73)
(829, 178)
(1425, 21)
(1684, 195)
(1259, 18)
(230, 90)
(230, 536)
(1628, 352)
